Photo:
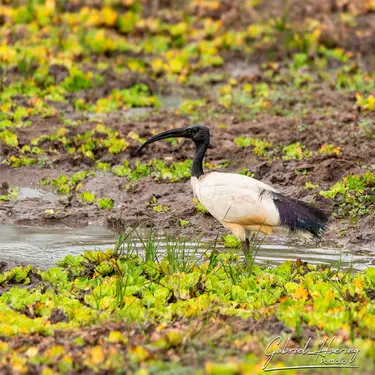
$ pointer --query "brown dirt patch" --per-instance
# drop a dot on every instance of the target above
(340, 129)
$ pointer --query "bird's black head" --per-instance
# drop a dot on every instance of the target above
(199, 134)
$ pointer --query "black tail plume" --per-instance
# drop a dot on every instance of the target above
(298, 215)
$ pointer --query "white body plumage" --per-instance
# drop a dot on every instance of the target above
(237, 202)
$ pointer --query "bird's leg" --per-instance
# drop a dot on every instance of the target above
(246, 246)
(247, 249)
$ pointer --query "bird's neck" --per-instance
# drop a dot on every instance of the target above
(197, 167)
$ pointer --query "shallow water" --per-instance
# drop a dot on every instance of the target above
(27, 193)
(44, 246)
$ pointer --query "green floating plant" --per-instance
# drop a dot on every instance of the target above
(127, 287)
(88, 197)
(11, 194)
(296, 151)
(9, 138)
(259, 146)
(65, 185)
(231, 241)
(105, 203)
(356, 193)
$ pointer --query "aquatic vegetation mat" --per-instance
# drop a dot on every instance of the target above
(117, 311)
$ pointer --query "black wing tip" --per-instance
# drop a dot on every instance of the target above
(298, 215)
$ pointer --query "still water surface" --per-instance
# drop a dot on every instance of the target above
(44, 246)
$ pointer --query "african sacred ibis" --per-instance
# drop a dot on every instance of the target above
(243, 204)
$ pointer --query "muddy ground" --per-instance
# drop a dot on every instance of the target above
(339, 127)
(323, 115)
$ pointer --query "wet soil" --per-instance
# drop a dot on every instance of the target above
(324, 116)
(339, 127)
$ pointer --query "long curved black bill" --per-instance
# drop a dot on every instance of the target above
(175, 133)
